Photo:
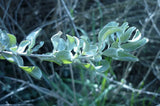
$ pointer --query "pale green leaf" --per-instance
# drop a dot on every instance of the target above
(65, 56)
(70, 42)
(111, 52)
(97, 58)
(4, 40)
(32, 38)
(14, 49)
(103, 31)
(92, 50)
(134, 45)
(136, 37)
(61, 45)
(37, 47)
(12, 40)
(126, 35)
(109, 32)
(22, 46)
(124, 26)
(55, 40)
(104, 66)
(125, 56)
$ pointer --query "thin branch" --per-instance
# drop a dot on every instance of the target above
(150, 68)
(14, 92)
(73, 83)
(128, 87)
(70, 17)
(151, 16)
(30, 55)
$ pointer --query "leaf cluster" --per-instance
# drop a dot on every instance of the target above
(114, 41)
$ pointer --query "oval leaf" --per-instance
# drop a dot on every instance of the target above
(34, 71)
(12, 40)
(134, 45)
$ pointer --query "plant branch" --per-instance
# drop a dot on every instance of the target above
(30, 55)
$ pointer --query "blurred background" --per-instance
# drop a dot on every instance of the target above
(81, 17)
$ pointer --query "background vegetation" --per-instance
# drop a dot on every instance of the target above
(126, 83)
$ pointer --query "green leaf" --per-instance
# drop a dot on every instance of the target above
(134, 45)
(111, 52)
(97, 58)
(12, 40)
(124, 26)
(79, 44)
(32, 38)
(86, 47)
(22, 46)
(4, 40)
(88, 66)
(92, 50)
(55, 40)
(61, 45)
(13, 49)
(109, 32)
(103, 31)
(115, 44)
(70, 42)
(136, 37)
(14, 59)
(37, 47)
(65, 56)
(1, 57)
(125, 56)
(34, 71)
(103, 67)
(127, 34)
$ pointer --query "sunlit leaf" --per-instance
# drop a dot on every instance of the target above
(1, 57)
(92, 50)
(13, 49)
(32, 38)
(22, 46)
(127, 34)
(105, 29)
(12, 40)
(88, 66)
(134, 45)
(136, 37)
(109, 32)
(55, 40)
(61, 45)
(111, 52)
(34, 71)
(4, 40)
(70, 42)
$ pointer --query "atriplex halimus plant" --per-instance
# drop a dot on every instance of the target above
(114, 41)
